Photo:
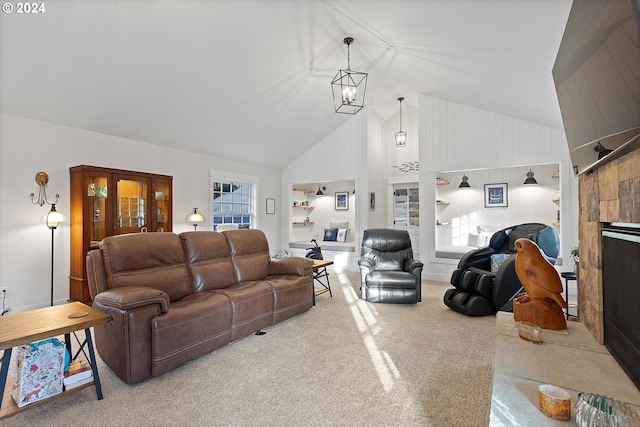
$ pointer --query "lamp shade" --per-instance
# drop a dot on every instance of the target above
(464, 183)
(194, 218)
(53, 218)
(530, 179)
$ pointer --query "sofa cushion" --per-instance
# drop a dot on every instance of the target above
(252, 307)
(292, 295)
(193, 326)
(249, 254)
(208, 256)
(154, 260)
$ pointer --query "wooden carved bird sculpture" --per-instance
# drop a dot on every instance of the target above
(538, 277)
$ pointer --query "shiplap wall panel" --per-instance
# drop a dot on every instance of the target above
(460, 137)
(490, 148)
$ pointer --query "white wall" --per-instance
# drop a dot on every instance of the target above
(28, 146)
(466, 209)
(455, 137)
(376, 177)
(341, 156)
(322, 210)
(397, 156)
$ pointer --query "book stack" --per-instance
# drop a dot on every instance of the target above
(79, 373)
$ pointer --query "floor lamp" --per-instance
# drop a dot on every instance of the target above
(53, 219)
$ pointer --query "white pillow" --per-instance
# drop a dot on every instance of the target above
(484, 237)
(342, 234)
(344, 225)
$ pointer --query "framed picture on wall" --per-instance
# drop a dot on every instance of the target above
(271, 206)
(342, 200)
(496, 196)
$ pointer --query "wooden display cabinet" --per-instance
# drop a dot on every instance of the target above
(106, 202)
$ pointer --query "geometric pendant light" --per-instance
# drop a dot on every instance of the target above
(401, 137)
(349, 87)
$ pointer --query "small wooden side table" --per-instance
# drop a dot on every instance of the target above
(35, 325)
(320, 272)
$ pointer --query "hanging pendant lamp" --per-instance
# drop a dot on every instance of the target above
(349, 87)
(464, 183)
(401, 137)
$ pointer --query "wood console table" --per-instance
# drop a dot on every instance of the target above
(23, 328)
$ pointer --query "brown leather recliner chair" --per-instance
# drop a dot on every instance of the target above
(388, 272)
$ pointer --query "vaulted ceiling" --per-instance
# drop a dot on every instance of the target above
(250, 79)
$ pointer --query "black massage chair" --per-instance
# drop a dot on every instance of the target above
(486, 280)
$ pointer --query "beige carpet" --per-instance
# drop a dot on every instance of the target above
(346, 362)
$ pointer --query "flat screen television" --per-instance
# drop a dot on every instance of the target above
(597, 80)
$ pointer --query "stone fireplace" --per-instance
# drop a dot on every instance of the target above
(611, 193)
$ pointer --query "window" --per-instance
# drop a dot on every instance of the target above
(233, 203)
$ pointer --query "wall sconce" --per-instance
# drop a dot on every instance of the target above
(530, 179)
(194, 218)
(320, 192)
(401, 137)
(349, 87)
(42, 179)
(464, 183)
(601, 150)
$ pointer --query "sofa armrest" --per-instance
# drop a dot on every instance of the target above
(132, 298)
(414, 266)
(291, 265)
(479, 258)
(366, 267)
(507, 285)
(125, 343)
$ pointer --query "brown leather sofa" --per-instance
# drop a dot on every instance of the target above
(173, 298)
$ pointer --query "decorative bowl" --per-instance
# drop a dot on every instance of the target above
(529, 332)
(595, 410)
(554, 402)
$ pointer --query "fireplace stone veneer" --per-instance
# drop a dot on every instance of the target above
(611, 193)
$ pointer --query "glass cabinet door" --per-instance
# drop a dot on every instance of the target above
(97, 192)
(132, 206)
(400, 208)
(414, 208)
(162, 199)
(406, 206)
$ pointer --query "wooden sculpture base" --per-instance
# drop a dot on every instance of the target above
(542, 312)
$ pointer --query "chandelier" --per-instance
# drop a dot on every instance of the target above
(349, 87)
(401, 137)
